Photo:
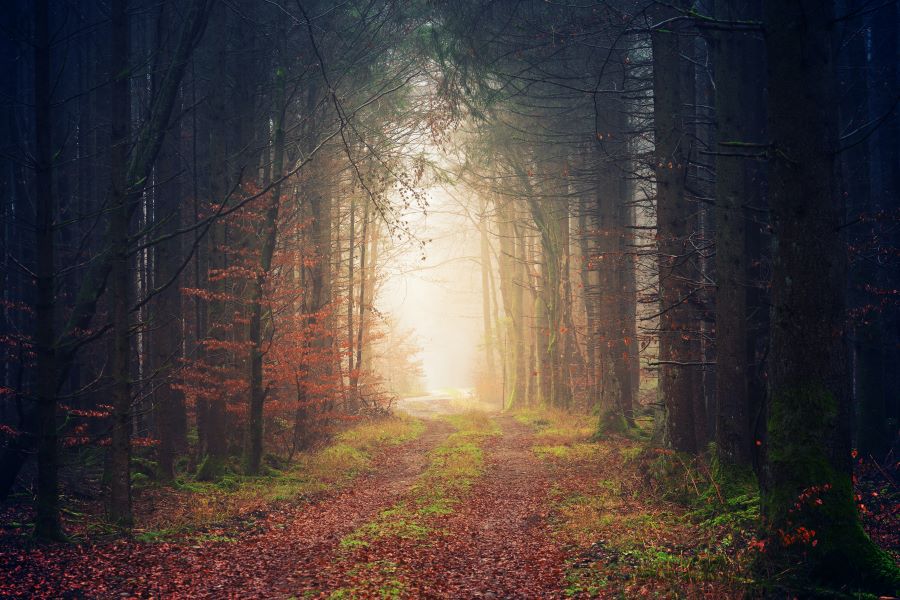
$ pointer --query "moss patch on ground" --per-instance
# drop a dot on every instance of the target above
(556, 427)
(192, 504)
(628, 537)
(453, 468)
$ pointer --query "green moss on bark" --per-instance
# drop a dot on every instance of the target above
(611, 421)
(211, 468)
(811, 519)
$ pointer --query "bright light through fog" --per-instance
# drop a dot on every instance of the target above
(439, 297)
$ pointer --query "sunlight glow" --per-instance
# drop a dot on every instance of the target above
(439, 297)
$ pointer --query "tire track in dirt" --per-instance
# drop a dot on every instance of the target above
(498, 543)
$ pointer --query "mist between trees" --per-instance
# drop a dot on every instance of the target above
(684, 211)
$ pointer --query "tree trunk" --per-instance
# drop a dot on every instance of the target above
(166, 311)
(740, 185)
(351, 249)
(510, 291)
(47, 521)
(807, 477)
(357, 364)
(490, 369)
(873, 185)
(120, 284)
(589, 298)
(676, 375)
(254, 442)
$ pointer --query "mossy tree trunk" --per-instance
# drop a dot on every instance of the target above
(813, 524)
(511, 295)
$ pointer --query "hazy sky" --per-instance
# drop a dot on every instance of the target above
(440, 297)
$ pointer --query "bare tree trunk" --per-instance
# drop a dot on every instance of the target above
(490, 369)
(589, 295)
(166, 312)
(531, 315)
(676, 375)
(512, 284)
(254, 443)
(351, 392)
(626, 333)
(120, 288)
(740, 115)
(357, 364)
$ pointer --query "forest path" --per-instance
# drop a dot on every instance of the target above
(273, 558)
(492, 541)
(499, 543)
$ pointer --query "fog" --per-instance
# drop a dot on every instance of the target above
(435, 290)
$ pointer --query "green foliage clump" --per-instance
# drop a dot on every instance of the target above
(813, 524)
(229, 483)
(211, 468)
(140, 480)
(729, 496)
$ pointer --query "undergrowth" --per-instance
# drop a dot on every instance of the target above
(192, 502)
(641, 519)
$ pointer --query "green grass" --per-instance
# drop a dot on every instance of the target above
(555, 427)
(453, 467)
(579, 451)
(231, 494)
(381, 573)
(384, 432)
(614, 501)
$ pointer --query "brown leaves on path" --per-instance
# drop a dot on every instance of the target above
(270, 560)
(496, 542)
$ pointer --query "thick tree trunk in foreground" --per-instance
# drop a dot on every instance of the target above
(740, 102)
(676, 374)
(807, 478)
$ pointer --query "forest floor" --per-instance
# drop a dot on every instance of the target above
(465, 506)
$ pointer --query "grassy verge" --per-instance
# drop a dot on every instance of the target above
(191, 505)
(636, 527)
